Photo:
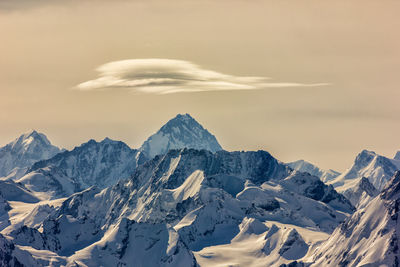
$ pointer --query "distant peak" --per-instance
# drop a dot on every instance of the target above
(182, 131)
(364, 156)
(397, 156)
(31, 133)
(183, 117)
(186, 115)
(179, 121)
(30, 137)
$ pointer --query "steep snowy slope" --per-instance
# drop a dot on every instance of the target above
(30, 214)
(262, 244)
(136, 244)
(13, 191)
(49, 183)
(9, 192)
(196, 197)
(93, 163)
(370, 237)
(180, 132)
(27, 149)
(304, 166)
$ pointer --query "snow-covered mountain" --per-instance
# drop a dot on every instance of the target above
(21, 153)
(376, 168)
(304, 166)
(180, 132)
(93, 163)
(370, 237)
(198, 201)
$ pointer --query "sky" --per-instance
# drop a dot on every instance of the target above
(313, 80)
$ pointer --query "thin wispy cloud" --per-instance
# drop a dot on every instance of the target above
(13, 5)
(22, 5)
(167, 76)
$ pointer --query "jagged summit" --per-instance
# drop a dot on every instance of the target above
(28, 139)
(183, 131)
(92, 163)
(397, 156)
(364, 157)
(25, 150)
(377, 168)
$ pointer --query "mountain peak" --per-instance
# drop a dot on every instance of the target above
(397, 156)
(179, 120)
(365, 155)
(376, 168)
(363, 159)
(92, 163)
(30, 137)
(30, 140)
(185, 116)
(182, 131)
(30, 132)
(25, 150)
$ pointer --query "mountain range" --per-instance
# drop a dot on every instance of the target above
(181, 200)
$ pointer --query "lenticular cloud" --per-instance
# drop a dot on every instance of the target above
(166, 76)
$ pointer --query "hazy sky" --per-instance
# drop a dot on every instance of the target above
(317, 80)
